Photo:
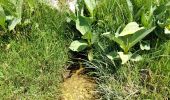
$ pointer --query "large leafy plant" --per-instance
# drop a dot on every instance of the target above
(84, 26)
(10, 13)
(126, 39)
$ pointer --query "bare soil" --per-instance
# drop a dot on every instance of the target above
(78, 86)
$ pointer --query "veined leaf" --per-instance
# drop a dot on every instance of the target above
(83, 24)
(130, 28)
(78, 45)
(139, 35)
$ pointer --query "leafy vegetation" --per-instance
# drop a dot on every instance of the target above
(84, 26)
(11, 13)
(125, 43)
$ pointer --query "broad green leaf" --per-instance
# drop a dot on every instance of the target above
(119, 41)
(138, 36)
(91, 5)
(145, 45)
(116, 39)
(78, 45)
(2, 17)
(112, 55)
(83, 24)
(130, 28)
(13, 23)
(124, 57)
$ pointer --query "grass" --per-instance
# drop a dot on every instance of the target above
(32, 57)
(31, 62)
(147, 79)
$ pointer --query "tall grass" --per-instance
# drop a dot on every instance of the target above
(32, 61)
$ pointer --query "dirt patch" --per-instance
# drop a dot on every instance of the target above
(78, 87)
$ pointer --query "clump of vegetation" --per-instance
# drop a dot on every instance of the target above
(33, 55)
(125, 43)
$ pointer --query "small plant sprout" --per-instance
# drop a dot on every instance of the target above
(131, 35)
